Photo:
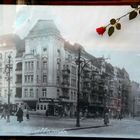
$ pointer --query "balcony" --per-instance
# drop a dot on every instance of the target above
(18, 83)
(65, 72)
(65, 84)
(64, 97)
(86, 79)
(86, 89)
(19, 69)
(86, 69)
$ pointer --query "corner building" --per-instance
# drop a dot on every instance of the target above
(41, 69)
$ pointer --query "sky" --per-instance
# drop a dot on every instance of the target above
(78, 24)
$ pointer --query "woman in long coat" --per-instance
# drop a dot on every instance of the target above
(19, 115)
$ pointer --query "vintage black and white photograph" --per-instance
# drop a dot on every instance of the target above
(70, 71)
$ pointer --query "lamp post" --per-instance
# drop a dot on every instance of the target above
(80, 69)
(78, 62)
(8, 68)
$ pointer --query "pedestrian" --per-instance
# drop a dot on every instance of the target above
(27, 114)
(3, 115)
(84, 114)
(120, 116)
(19, 115)
(106, 118)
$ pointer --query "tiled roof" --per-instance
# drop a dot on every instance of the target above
(43, 27)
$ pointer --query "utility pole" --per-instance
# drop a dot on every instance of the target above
(78, 90)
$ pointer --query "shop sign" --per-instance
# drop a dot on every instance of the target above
(47, 100)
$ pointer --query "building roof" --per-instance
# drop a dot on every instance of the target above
(44, 27)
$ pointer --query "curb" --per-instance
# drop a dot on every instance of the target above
(78, 128)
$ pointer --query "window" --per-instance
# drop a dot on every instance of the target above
(44, 49)
(44, 64)
(73, 82)
(29, 66)
(32, 51)
(71, 95)
(44, 78)
(44, 107)
(37, 79)
(44, 92)
(11, 92)
(69, 57)
(31, 93)
(25, 78)
(31, 78)
(37, 107)
(74, 95)
(25, 93)
(32, 65)
(28, 78)
(41, 107)
(37, 92)
(73, 70)
(5, 93)
(0, 93)
(37, 64)
(26, 66)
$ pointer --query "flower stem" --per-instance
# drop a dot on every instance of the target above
(117, 19)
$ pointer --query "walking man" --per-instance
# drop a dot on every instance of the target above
(19, 115)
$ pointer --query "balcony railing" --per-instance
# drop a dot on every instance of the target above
(65, 72)
(86, 69)
(64, 97)
(19, 69)
(18, 82)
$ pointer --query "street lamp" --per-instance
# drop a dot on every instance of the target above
(8, 70)
(80, 69)
(78, 62)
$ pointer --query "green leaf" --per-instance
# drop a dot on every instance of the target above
(112, 21)
(110, 30)
(132, 15)
(118, 26)
(134, 6)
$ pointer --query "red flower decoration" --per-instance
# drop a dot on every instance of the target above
(100, 30)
